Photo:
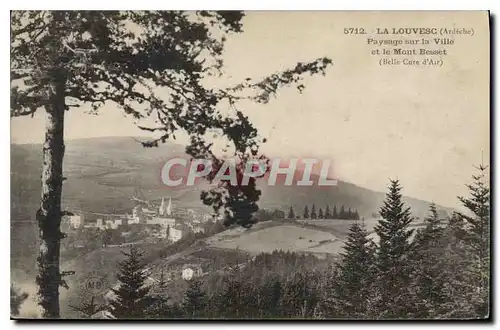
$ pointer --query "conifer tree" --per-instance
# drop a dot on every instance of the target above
(350, 215)
(313, 212)
(291, 214)
(350, 290)
(87, 309)
(430, 273)
(328, 213)
(334, 213)
(320, 213)
(356, 215)
(194, 300)
(460, 293)
(159, 307)
(162, 280)
(306, 212)
(271, 292)
(476, 233)
(131, 298)
(342, 214)
(393, 264)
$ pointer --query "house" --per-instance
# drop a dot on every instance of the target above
(174, 234)
(198, 229)
(148, 212)
(76, 221)
(90, 224)
(110, 224)
(137, 215)
(164, 222)
(119, 222)
(191, 271)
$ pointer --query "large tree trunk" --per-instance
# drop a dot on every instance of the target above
(49, 215)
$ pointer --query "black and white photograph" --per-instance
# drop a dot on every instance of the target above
(250, 165)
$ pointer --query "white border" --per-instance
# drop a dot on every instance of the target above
(198, 4)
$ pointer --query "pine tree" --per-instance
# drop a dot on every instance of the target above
(313, 212)
(306, 212)
(194, 300)
(334, 213)
(350, 288)
(356, 215)
(460, 293)
(476, 233)
(350, 215)
(291, 214)
(271, 292)
(320, 213)
(159, 308)
(342, 214)
(228, 303)
(162, 280)
(131, 298)
(328, 213)
(87, 309)
(393, 265)
(430, 273)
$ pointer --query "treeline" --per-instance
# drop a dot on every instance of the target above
(438, 272)
(277, 214)
(442, 273)
(327, 214)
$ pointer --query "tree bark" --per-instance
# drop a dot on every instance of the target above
(49, 215)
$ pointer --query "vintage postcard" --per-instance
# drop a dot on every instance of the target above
(259, 165)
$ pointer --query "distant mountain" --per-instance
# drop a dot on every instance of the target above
(103, 174)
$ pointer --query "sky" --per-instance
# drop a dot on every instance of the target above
(426, 126)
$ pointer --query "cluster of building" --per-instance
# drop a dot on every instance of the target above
(159, 223)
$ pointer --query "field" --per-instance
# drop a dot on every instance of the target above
(287, 237)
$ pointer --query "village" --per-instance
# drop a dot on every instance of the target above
(156, 222)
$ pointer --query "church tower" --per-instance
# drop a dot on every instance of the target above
(169, 207)
(161, 210)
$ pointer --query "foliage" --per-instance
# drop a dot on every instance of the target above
(328, 214)
(16, 300)
(469, 252)
(131, 295)
(88, 308)
(306, 212)
(393, 264)
(351, 281)
(428, 257)
(313, 212)
(194, 300)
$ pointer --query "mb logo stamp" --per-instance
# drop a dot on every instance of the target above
(94, 283)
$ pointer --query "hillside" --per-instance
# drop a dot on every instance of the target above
(104, 173)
